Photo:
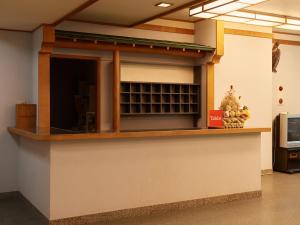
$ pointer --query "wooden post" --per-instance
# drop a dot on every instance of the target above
(44, 93)
(210, 85)
(116, 91)
(98, 98)
(44, 79)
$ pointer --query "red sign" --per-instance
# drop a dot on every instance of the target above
(215, 118)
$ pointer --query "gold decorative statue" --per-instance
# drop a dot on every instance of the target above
(275, 56)
(235, 115)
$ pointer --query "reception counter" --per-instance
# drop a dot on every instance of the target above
(80, 178)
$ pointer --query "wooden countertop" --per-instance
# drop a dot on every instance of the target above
(133, 134)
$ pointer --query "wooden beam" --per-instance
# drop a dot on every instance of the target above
(98, 97)
(74, 11)
(210, 85)
(44, 93)
(44, 79)
(184, 6)
(287, 42)
(116, 92)
(219, 42)
(126, 48)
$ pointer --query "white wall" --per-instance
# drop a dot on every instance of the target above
(288, 77)
(107, 175)
(34, 173)
(15, 87)
(247, 66)
(123, 31)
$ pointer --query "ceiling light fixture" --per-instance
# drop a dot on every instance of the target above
(289, 27)
(232, 19)
(293, 21)
(227, 10)
(263, 23)
(251, 2)
(270, 18)
(164, 4)
(221, 7)
(242, 14)
(205, 15)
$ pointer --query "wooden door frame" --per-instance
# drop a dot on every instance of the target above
(98, 81)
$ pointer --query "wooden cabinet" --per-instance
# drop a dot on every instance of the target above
(26, 116)
(287, 160)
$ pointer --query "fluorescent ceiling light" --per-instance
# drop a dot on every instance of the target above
(228, 8)
(205, 15)
(164, 4)
(289, 27)
(232, 19)
(242, 14)
(270, 18)
(263, 23)
(196, 10)
(216, 4)
(293, 21)
(251, 2)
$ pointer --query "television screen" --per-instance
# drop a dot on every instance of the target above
(293, 129)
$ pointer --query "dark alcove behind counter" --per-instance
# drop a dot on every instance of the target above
(73, 95)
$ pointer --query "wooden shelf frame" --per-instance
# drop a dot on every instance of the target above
(52, 40)
(149, 98)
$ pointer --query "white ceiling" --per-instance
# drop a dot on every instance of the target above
(124, 12)
(282, 7)
(29, 14)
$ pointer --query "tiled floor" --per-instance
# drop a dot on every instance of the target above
(280, 205)
(17, 212)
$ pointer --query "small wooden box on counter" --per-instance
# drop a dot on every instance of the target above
(26, 116)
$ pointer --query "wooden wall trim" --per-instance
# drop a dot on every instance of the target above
(74, 11)
(287, 42)
(15, 30)
(70, 56)
(165, 29)
(286, 33)
(248, 33)
(137, 49)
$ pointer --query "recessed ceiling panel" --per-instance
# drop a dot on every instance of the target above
(29, 14)
(124, 12)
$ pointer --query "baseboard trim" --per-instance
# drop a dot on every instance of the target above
(267, 172)
(155, 209)
(9, 195)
